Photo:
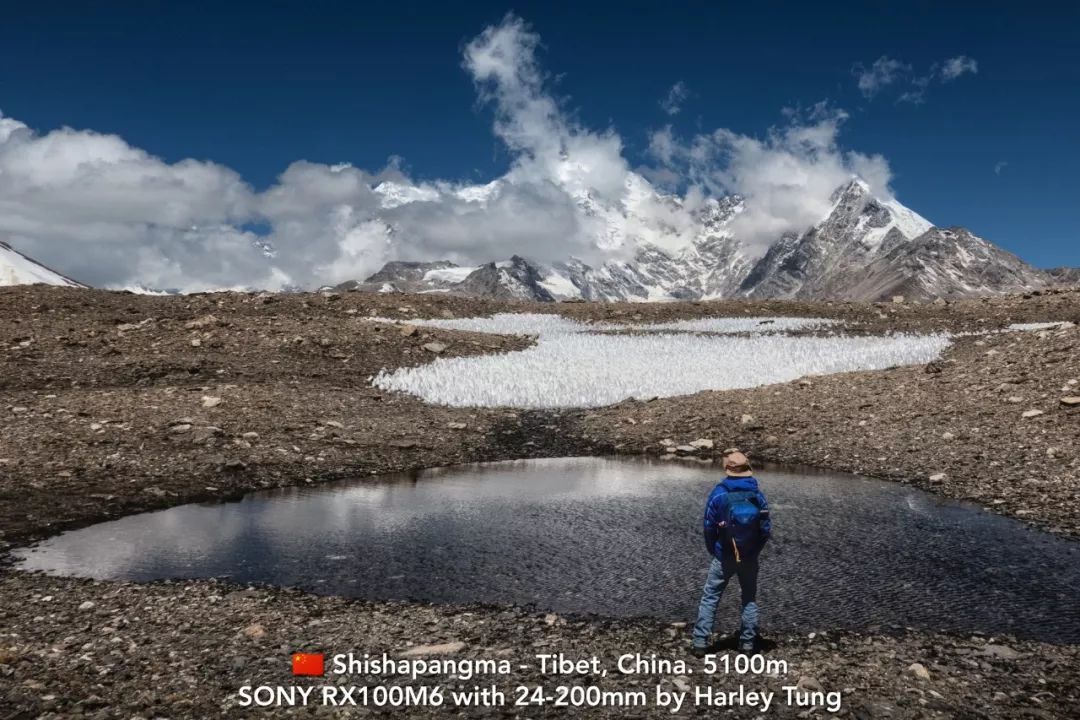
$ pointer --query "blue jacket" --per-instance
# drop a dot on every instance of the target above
(714, 513)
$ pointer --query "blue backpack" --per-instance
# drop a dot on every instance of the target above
(742, 522)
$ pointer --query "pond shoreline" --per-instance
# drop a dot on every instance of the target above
(98, 388)
(553, 533)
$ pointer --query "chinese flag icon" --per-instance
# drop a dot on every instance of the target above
(307, 664)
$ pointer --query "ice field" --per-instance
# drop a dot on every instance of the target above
(576, 364)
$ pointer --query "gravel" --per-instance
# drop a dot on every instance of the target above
(185, 649)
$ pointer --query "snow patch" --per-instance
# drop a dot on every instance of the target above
(141, 290)
(906, 220)
(575, 364)
(394, 194)
(728, 326)
(449, 275)
(560, 286)
(17, 269)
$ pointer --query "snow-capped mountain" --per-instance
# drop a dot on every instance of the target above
(821, 261)
(17, 269)
(869, 249)
(712, 264)
(401, 276)
(864, 248)
(517, 279)
(656, 248)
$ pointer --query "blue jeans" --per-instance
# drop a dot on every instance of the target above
(720, 571)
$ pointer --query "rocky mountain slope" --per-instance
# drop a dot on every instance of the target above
(1064, 275)
(941, 262)
(18, 269)
(870, 249)
(865, 248)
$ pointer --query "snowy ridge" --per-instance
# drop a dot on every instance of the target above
(865, 248)
(17, 269)
(449, 275)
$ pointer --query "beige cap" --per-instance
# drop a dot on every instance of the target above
(736, 464)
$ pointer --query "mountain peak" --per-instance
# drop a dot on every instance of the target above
(854, 188)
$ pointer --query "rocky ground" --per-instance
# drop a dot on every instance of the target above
(113, 403)
(103, 650)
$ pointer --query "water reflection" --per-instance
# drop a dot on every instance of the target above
(611, 536)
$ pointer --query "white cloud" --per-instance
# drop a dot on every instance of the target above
(104, 211)
(110, 214)
(883, 72)
(957, 66)
(550, 147)
(662, 145)
(787, 177)
(676, 96)
(886, 71)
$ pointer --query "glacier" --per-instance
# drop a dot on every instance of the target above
(576, 364)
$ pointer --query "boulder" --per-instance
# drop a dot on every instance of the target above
(255, 631)
(918, 670)
(1003, 652)
(199, 323)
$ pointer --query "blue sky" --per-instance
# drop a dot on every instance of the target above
(257, 86)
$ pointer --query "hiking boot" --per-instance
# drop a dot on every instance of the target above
(698, 651)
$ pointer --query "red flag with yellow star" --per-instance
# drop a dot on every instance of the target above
(308, 664)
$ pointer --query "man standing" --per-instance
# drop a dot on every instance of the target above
(737, 526)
